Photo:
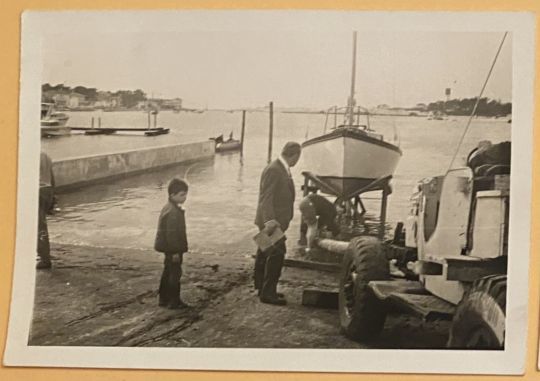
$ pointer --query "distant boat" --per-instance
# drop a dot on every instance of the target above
(50, 117)
(53, 123)
(230, 144)
(352, 156)
(437, 115)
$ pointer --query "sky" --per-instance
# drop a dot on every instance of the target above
(235, 69)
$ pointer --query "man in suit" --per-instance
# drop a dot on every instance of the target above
(275, 209)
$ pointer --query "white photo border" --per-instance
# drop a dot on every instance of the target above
(510, 361)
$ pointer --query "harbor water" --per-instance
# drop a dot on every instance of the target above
(223, 191)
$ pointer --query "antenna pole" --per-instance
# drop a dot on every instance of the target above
(353, 80)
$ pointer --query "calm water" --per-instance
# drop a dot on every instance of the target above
(223, 192)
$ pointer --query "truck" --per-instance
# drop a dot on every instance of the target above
(448, 258)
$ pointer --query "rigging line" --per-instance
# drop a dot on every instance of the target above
(476, 103)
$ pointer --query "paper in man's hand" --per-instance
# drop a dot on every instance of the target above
(265, 241)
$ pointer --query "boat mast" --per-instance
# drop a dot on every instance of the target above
(351, 103)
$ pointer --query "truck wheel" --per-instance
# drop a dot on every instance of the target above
(479, 321)
(361, 314)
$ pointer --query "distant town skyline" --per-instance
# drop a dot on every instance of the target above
(234, 69)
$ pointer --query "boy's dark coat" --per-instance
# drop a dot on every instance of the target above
(171, 232)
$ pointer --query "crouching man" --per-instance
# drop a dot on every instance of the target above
(317, 213)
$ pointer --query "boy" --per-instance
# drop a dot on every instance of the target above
(317, 213)
(172, 241)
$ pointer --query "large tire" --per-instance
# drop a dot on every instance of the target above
(361, 314)
(479, 321)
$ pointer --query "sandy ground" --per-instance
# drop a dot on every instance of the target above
(108, 297)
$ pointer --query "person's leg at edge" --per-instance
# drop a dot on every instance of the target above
(43, 247)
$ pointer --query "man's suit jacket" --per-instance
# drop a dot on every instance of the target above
(276, 196)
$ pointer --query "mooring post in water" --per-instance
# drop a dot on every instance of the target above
(148, 119)
(92, 125)
(271, 132)
(99, 122)
(243, 133)
(155, 119)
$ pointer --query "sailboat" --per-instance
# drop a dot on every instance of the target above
(351, 156)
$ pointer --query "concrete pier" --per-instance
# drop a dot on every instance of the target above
(77, 171)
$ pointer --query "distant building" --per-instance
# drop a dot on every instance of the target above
(61, 99)
(48, 96)
(141, 105)
(116, 101)
(420, 107)
(175, 104)
(75, 100)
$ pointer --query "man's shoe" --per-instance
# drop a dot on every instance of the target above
(278, 294)
(275, 301)
(179, 305)
(42, 265)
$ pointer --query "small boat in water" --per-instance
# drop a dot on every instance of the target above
(228, 145)
(53, 123)
(352, 158)
(437, 115)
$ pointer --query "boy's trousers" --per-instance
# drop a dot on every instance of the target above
(169, 287)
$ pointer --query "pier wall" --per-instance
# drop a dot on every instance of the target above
(78, 171)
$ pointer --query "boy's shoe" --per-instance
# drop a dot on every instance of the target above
(42, 265)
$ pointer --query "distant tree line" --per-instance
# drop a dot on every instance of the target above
(129, 98)
(486, 107)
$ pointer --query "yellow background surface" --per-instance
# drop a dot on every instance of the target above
(10, 12)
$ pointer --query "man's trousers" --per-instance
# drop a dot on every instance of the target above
(268, 266)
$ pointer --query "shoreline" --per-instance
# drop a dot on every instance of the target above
(108, 297)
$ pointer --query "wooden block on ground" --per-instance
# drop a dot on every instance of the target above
(320, 299)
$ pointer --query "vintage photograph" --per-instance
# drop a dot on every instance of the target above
(275, 180)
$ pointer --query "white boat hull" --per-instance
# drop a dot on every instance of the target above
(349, 161)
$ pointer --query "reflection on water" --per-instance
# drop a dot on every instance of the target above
(223, 192)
